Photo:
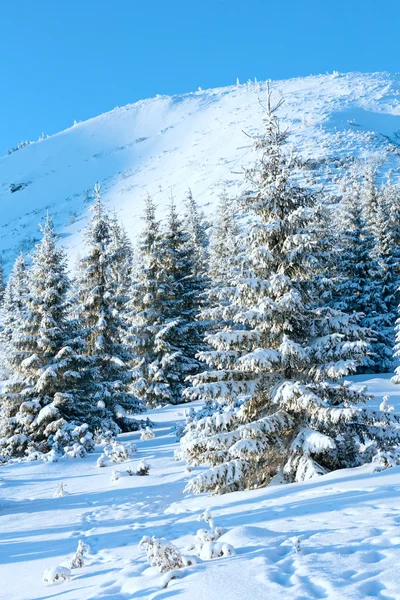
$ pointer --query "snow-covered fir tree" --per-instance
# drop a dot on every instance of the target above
(2, 284)
(370, 193)
(198, 242)
(226, 242)
(44, 405)
(225, 262)
(167, 297)
(368, 270)
(147, 314)
(103, 325)
(354, 291)
(392, 202)
(181, 337)
(391, 195)
(385, 280)
(196, 227)
(14, 303)
(122, 260)
(277, 371)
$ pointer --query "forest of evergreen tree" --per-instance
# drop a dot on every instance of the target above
(261, 315)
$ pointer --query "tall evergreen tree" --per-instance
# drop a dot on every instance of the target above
(370, 192)
(122, 260)
(147, 314)
(369, 264)
(196, 227)
(355, 291)
(391, 194)
(182, 334)
(44, 406)
(274, 368)
(14, 304)
(167, 297)
(226, 242)
(2, 284)
(225, 262)
(385, 279)
(103, 325)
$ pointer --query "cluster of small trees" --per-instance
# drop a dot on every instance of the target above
(260, 315)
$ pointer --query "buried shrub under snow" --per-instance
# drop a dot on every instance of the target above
(165, 556)
(57, 575)
(62, 573)
(206, 545)
(147, 434)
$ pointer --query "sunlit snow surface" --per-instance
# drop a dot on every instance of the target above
(166, 144)
(348, 524)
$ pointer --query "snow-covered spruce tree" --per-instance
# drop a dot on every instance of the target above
(2, 284)
(355, 291)
(385, 280)
(391, 194)
(44, 405)
(166, 299)
(181, 337)
(147, 314)
(14, 303)
(370, 193)
(280, 367)
(196, 227)
(103, 326)
(368, 272)
(392, 202)
(122, 261)
(383, 269)
(226, 243)
(225, 261)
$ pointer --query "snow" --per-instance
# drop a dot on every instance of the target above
(335, 536)
(167, 143)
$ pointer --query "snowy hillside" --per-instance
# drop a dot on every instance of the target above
(167, 144)
(345, 523)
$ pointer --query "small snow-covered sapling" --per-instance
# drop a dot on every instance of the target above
(77, 561)
(296, 544)
(385, 406)
(206, 516)
(205, 544)
(104, 437)
(76, 450)
(61, 491)
(161, 554)
(118, 452)
(101, 461)
(147, 434)
(143, 468)
(115, 475)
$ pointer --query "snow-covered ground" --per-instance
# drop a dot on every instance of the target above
(166, 144)
(348, 525)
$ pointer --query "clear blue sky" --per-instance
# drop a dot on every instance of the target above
(72, 59)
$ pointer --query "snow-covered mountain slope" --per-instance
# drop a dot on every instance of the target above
(166, 144)
(347, 524)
